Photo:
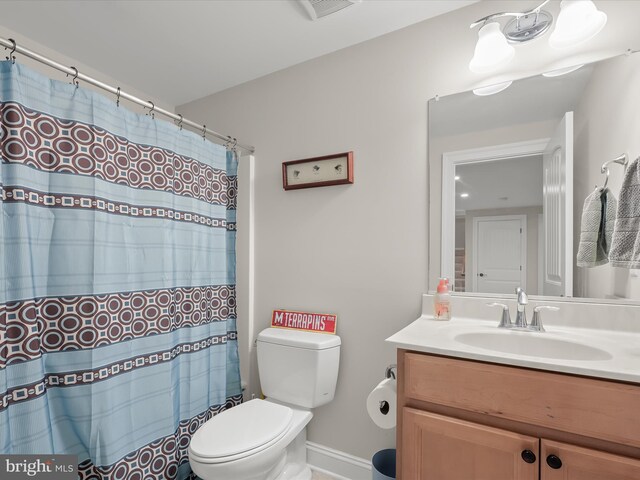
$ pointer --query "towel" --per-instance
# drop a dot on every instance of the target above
(625, 249)
(596, 231)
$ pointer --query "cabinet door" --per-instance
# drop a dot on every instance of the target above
(560, 461)
(435, 447)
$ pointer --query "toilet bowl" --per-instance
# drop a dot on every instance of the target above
(266, 439)
(257, 440)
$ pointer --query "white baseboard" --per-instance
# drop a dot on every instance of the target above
(338, 464)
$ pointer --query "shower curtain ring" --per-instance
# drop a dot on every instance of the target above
(235, 143)
(11, 56)
(151, 114)
(227, 143)
(118, 97)
(74, 80)
(180, 122)
(204, 132)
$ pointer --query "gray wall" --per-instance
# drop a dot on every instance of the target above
(361, 250)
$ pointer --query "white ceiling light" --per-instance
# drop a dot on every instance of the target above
(491, 89)
(492, 50)
(579, 21)
(464, 195)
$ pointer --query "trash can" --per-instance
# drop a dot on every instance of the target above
(384, 464)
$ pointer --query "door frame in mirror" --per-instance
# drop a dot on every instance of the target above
(448, 188)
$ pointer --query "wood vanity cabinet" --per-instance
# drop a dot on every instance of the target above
(467, 420)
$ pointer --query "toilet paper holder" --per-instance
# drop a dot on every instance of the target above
(390, 372)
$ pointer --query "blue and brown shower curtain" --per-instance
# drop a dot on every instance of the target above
(117, 281)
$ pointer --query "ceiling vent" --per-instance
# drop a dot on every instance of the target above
(322, 8)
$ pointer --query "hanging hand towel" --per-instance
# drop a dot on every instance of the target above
(625, 249)
(598, 218)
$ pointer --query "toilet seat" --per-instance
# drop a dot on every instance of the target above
(250, 428)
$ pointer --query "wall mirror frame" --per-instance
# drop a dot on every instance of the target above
(576, 284)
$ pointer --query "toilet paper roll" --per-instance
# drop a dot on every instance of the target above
(381, 404)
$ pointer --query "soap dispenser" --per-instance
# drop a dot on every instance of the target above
(442, 301)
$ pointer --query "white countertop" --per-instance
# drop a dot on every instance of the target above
(620, 359)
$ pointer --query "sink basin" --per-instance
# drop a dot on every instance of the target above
(532, 344)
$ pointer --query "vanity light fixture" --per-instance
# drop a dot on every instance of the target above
(456, 178)
(464, 195)
(492, 50)
(579, 21)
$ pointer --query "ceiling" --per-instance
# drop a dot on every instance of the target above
(159, 46)
(507, 183)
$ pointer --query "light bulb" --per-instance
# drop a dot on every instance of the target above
(579, 21)
(492, 50)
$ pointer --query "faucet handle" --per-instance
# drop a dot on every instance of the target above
(505, 321)
(536, 322)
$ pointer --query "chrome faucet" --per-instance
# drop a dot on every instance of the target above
(521, 314)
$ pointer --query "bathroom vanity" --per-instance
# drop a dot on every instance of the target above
(485, 403)
(563, 405)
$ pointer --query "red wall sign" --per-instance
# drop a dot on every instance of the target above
(310, 322)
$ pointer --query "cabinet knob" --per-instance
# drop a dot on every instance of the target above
(554, 462)
(528, 456)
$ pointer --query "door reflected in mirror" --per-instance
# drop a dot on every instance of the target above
(509, 174)
(498, 212)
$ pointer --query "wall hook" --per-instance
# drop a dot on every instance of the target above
(11, 56)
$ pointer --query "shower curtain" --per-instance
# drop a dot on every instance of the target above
(117, 281)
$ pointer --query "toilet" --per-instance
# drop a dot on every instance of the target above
(266, 439)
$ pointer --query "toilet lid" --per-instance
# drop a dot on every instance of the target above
(241, 429)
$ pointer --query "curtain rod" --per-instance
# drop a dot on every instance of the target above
(11, 44)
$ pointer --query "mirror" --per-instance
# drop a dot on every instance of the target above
(509, 174)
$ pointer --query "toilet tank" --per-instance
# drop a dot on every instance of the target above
(299, 368)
